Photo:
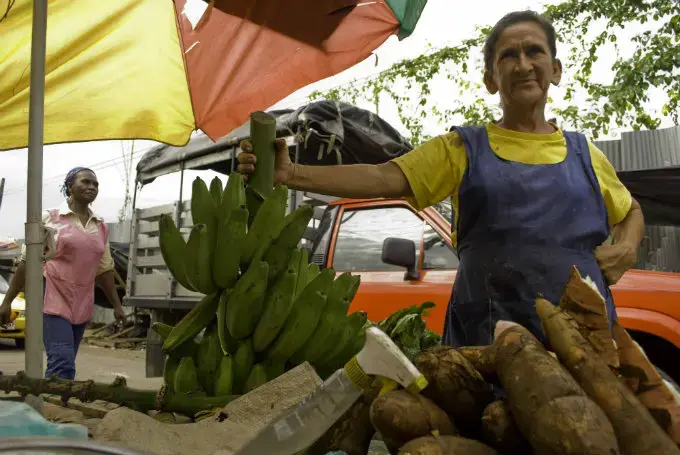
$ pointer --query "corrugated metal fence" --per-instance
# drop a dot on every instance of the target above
(660, 249)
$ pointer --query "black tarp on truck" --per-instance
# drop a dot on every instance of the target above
(331, 132)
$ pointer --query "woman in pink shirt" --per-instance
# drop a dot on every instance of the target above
(79, 256)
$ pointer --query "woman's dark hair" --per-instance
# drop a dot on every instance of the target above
(70, 178)
(511, 19)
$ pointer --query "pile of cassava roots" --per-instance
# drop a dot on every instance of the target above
(591, 391)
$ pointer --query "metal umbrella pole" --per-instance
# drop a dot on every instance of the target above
(34, 241)
(2, 189)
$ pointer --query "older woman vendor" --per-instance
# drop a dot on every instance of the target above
(531, 201)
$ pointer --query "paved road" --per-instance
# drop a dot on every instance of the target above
(99, 364)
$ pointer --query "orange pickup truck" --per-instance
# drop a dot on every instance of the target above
(351, 237)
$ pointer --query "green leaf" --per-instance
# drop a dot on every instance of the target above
(585, 29)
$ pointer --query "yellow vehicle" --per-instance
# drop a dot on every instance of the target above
(16, 329)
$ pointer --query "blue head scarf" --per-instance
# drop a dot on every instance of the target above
(71, 178)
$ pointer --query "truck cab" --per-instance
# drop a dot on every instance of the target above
(404, 257)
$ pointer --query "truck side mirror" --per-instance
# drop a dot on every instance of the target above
(402, 253)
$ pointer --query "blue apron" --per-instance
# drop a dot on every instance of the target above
(520, 229)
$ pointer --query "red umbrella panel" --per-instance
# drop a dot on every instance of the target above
(247, 55)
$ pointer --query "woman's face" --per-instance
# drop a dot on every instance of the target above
(85, 187)
(523, 67)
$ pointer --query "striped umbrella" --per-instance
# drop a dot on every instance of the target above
(158, 69)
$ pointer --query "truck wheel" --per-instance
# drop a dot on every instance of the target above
(20, 343)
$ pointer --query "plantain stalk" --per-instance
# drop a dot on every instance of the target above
(164, 400)
(261, 181)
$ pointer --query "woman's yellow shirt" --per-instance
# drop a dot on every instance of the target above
(436, 168)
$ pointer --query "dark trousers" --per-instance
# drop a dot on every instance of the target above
(61, 339)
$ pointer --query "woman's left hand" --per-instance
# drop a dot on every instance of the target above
(615, 259)
(119, 314)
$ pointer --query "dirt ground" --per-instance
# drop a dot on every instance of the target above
(101, 365)
(98, 364)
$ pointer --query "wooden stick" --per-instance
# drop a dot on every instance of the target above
(101, 329)
(121, 333)
(104, 342)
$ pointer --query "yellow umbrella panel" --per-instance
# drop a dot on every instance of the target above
(114, 70)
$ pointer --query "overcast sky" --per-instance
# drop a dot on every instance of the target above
(444, 22)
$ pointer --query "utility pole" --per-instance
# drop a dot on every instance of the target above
(2, 189)
(127, 164)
